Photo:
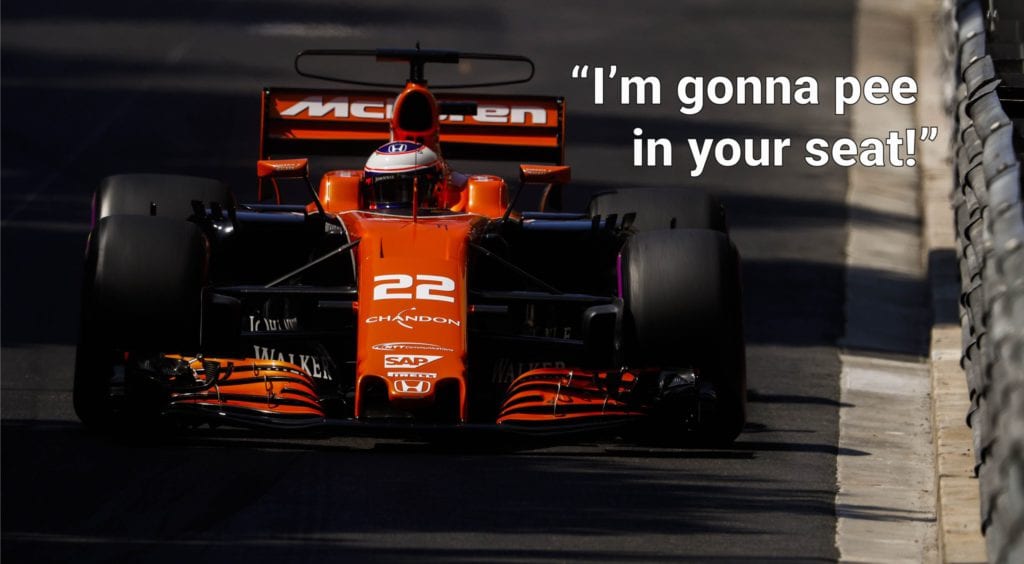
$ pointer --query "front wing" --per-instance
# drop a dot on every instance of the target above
(260, 393)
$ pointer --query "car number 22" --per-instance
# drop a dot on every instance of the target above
(427, 287)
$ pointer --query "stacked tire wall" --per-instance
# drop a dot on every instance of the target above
(990, 231)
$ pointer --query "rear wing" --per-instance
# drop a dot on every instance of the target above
(308, 122)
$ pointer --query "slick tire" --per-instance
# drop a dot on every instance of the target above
(167, 195)
(662, 208)
(682, 295)
(142, 291)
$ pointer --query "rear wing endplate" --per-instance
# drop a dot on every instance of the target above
(306, 122)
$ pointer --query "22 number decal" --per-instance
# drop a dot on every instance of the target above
(427, 287)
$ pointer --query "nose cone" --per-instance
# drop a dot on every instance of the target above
(412, 312)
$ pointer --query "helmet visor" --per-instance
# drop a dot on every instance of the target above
(394, 190)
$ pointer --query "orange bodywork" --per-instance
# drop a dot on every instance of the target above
(256, 386)
(416, 99)
(412, 304)
(561, 394)
(411, 323)
(487, 196)
(411, 271)
(336, 117)
(282, 168)
(339, 190)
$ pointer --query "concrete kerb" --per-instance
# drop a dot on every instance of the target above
(910, 416)
(885, 503)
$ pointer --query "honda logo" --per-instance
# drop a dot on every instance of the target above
(419, 387)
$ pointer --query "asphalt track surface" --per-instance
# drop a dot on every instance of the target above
(90, 89)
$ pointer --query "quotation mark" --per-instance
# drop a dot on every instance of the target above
(584, 71)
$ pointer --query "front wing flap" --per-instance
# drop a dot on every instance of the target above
(272, 394)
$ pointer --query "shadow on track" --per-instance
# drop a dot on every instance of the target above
(255, 497)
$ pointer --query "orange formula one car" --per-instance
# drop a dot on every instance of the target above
(402, 294)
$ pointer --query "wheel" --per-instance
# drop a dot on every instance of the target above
(662, 208)
(683, 310)
(141, 291)
(168, 195)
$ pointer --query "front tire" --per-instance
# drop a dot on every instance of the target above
(163, 195)
(683, 310)
(142, 291)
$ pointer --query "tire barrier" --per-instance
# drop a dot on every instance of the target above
(990, 235)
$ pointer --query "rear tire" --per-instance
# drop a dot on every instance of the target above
(662, 208)
(141, 291)
(683, 310)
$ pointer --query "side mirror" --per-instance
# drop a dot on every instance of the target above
(285, 168)
(282, 168)
(544, 174)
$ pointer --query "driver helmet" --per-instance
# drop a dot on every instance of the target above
(392, 171)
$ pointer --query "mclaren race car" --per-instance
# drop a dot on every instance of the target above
(401, 294)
